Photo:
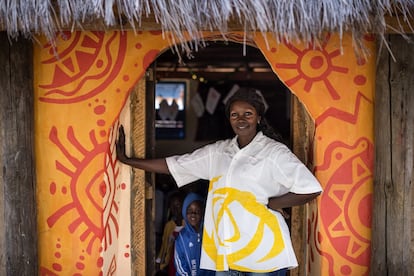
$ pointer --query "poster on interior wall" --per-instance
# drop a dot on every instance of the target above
(233, 90)
(263, 99)
(212, 127)
(213, 97)
(197, 105)
(170, 109)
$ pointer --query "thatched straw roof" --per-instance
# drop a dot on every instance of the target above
(303, 20)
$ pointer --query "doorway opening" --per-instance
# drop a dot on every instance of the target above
(216, 70)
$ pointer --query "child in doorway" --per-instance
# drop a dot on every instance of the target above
(165, 261)
(188, 243)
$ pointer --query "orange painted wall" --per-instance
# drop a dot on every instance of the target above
(337, 88)
(81, 85)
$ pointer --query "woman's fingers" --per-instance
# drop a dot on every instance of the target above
(120, 144)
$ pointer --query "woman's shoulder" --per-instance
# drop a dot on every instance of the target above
(271, 143)
(273, 149)
(219, 144)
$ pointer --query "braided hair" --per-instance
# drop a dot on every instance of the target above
(254, 98)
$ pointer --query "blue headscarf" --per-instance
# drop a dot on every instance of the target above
(188, 200)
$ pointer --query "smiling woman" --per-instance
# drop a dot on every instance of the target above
(245, 111)
(246, 173)
(244, 120)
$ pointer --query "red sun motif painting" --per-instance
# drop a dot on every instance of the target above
(92, 196)
(81, 65)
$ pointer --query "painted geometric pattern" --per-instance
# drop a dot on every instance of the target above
(81, 84)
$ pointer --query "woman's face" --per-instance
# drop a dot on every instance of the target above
(194, 214)
(243, 120)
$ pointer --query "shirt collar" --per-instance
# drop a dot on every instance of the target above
(234, 144)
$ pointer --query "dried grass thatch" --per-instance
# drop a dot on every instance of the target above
(291, 20)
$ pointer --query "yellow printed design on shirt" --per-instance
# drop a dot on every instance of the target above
(243, 231)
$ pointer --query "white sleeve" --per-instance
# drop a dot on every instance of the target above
(294, 175)
(190, 167)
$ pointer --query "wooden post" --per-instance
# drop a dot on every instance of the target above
(393, 225)
(18, 234)
(302, 132)
(382, 174)
(150, 177)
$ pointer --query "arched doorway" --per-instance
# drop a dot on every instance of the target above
(92, 79)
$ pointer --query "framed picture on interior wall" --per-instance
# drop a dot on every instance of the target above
(170, 99)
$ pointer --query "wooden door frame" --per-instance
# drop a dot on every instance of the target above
(142, 190)
(302, 134)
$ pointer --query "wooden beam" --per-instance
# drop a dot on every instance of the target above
(232, 76)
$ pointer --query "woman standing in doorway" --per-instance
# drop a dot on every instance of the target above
(252, 176)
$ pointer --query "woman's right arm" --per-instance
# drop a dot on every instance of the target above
(150, 165)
